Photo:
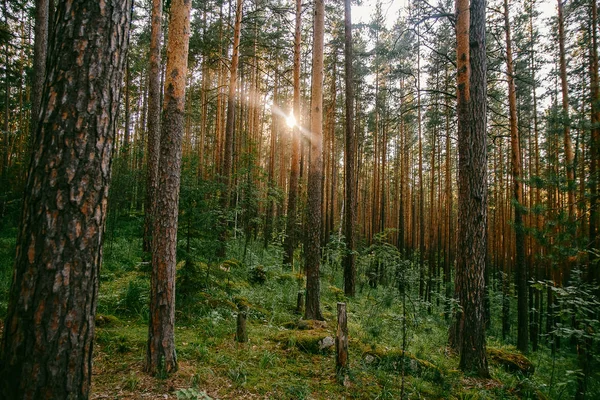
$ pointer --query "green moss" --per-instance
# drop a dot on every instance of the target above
(512, 361)
(395, 359)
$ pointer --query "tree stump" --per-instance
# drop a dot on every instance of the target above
(341, 339)
(241, 334)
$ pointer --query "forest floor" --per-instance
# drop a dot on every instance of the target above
(283, 358)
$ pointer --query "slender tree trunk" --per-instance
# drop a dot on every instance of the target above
(49, 328)
(569, 158)
(160, 356)
(517, 177)
(349, 261)
(594, 273)
(290, 239)
(315, 172)
(230, 121)
(153, 126)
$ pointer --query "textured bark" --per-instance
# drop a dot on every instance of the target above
(153, 127)
(349, 261)
(472, 185)
(517, 177)
(49, 328)
(289, 244)
(160, 356)
(315, 171)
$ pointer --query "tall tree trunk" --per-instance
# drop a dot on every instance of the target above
(315, 172)
(569, 158)
(472, 185)
(49, 328)
(290, 239)
(160, 355)
(230, 121)
(594, 273)
(349, 260)
(153, 121)
(517, 177)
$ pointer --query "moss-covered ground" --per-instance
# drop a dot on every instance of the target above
(282, 359)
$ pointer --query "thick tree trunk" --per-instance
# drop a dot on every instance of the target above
(517, 177)
(349, 260)
(472, 185)
(160, 356)
(315, 172)
(49, 328)
(153, 127)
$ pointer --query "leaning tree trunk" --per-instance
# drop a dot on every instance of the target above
(153, 121)
(160, 356)
(49, 328)
(315, 171)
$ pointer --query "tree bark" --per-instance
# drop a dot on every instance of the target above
(160, 356)
(49, 328)
(315, 172)
(472, 185)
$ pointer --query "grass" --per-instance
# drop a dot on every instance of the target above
(272, 365)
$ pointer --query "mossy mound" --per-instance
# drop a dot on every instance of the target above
(511, 361)
(393, 359)
(315, 341)
(107, 320)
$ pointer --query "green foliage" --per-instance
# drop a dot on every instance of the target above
(192, 394)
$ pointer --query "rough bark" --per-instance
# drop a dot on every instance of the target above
(160, 356)
(49, 328)
(349, 261)
(315, 172)
(472, 185)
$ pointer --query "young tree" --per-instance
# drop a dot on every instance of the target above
(49, 328)
(161, 335)
(349, 160)
(468, 334)
(153, 127)
(315, 171)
